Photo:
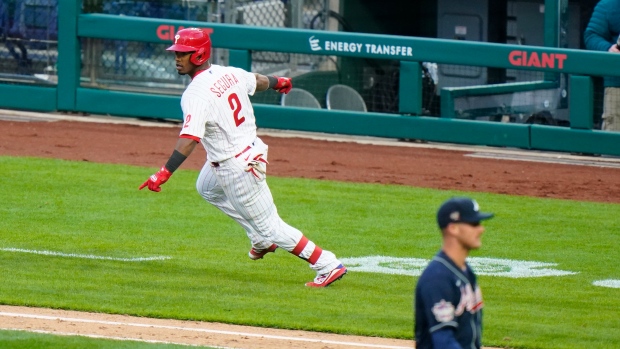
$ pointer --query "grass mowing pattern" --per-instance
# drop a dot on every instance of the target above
(86, 208)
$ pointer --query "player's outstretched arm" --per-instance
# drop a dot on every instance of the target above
(182, 150)
(280, 84)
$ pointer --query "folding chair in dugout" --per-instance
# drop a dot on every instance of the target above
(343, 97)
(298, 97)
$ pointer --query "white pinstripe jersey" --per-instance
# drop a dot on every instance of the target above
(217, 110)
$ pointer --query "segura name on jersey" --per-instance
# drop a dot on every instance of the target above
(224, 83)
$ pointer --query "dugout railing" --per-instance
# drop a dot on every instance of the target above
(578, 65)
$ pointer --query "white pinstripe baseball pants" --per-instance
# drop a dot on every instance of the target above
(248, 200)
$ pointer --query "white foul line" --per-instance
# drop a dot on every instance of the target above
(86, 256)
(115, 323)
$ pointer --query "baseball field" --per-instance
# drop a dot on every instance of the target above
(77, 237)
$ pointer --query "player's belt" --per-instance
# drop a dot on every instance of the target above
(217, 164)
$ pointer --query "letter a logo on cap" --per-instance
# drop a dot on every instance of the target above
(476, 207)
(176, 38)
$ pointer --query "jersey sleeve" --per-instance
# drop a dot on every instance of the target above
(194, 117)
(438, 296)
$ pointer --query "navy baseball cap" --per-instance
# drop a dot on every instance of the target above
(460, 210)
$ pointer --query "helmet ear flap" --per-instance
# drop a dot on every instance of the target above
(199, 57)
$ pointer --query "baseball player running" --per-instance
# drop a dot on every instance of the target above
(448, 301)
(218, 113)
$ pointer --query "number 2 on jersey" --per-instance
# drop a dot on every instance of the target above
(235, 105)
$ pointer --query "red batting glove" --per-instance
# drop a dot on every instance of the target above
(284, 85)
(155, 181)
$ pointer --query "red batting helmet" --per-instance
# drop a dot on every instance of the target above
(193, 40)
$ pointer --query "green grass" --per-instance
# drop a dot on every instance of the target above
(23, 339)
(85, 208)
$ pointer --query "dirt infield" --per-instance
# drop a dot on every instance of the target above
(480, 169)
(182, 332)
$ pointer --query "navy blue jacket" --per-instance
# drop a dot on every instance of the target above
(447, 297)
(603, 30)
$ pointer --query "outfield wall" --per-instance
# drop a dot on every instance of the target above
(578, 65)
